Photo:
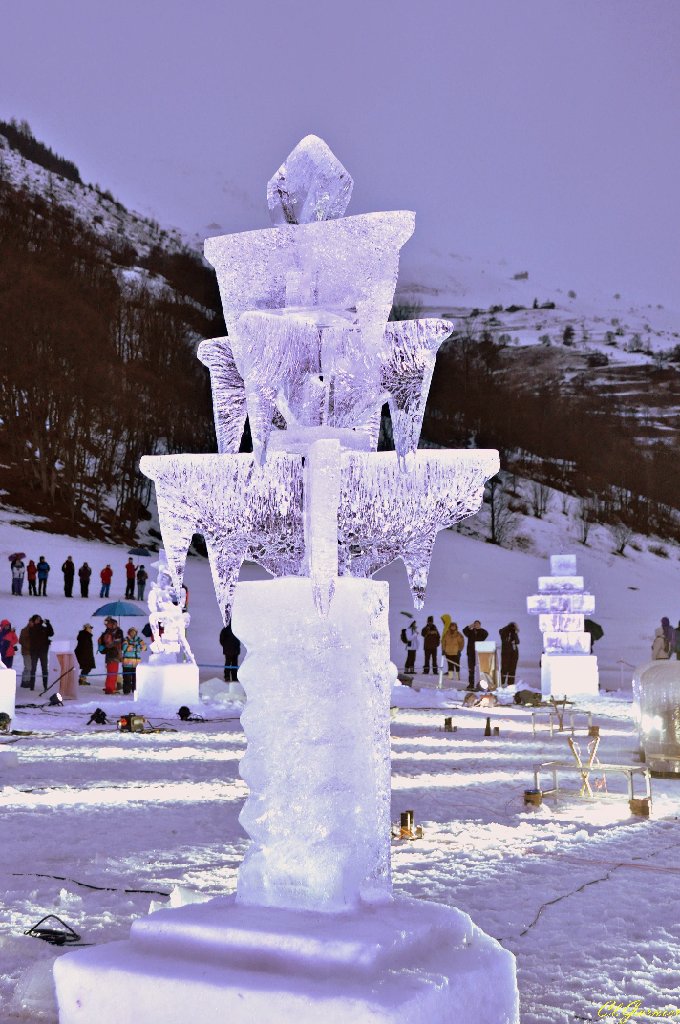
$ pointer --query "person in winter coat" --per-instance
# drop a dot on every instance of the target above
(661, 647)
(130, 575)
(31, 575)
(8, 643)
(40, 633)
(132, 647)
(69, 571)
(677, 642)
(25, 644)
(142, 577)
(43, 570)
(231, 648)
(431, 637)
(18, 570)
(473, 632)
(453, 643)
(668, 631)
(509, 653)
(106, 575)
(84, 653)
(409, 637)
(84, 575)
(107, 646)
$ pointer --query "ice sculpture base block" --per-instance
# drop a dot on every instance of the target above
(403, 961)
(169, 685)
(571, 676)
(8, 689)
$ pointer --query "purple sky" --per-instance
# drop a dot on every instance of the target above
(544, 132)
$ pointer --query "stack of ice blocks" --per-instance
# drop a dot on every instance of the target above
(567, 666)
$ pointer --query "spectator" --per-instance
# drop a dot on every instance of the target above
(84, 653)
(409, 637)
(594, 629)
(31, 574)
(132, 648)
(509, 653)
(453, 643)
(43, 570)
(130, 574)
(8, 643)
(25, 643)
(668, 632)
(69, 571)
(106, 575)
(231, 648)
(142, 577)
(677, 643)
(117, 634)
(107, 646)
(474, 633)
(18, 571)
(661, 646)
(84, 575)
(40, 633)
(431, 637)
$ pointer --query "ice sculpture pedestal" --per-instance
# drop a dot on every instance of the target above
(170, 684)
(404, 961)
(8, 689)
(569, 677)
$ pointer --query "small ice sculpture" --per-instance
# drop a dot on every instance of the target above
(567, 665)
(167, 620)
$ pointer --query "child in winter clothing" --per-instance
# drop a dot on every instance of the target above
(132, 648)
(8, 643)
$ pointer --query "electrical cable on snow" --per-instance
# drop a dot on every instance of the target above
(86, 885)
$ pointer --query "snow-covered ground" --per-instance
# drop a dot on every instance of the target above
(584, 894)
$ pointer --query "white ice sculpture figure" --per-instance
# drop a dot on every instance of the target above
(567, 665)
(311, 358)
(167, 620)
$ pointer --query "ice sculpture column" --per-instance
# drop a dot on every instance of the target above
(567, 666)
(313, 932)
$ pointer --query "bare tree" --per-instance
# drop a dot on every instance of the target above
(540, 499)
(586, 515)
(501, 516)
(621, 532)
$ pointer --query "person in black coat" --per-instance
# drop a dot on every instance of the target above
(473, 632)
(431, 638)
(84, 574)
(69, 571)
(40, 633)
(231, 648)
(84, 653)
(509, 653)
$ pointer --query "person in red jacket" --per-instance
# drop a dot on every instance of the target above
(106, 575)
(31, 575)
(130, 575)
(8, 643)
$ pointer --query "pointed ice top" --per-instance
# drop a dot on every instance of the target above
(311, 184)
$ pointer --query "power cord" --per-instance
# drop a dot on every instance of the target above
(64, 936)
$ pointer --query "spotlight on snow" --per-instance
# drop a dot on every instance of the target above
(184, 713)
(56, 701)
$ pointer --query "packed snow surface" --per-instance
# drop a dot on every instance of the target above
(581, 891)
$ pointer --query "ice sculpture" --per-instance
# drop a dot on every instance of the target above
(567, 665)
(311, 358)
(170, 677)
(656, 692)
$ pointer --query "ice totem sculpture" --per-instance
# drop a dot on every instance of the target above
(313, 931)
(567, 665)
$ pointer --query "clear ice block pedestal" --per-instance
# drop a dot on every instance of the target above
(313, 932)
(8, 689)
(168, 684)
(569, 676)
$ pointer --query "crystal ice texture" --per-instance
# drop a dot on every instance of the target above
(561, 605)
(310, 185)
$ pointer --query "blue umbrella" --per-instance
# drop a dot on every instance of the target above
(121, 610)
(141, 552)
